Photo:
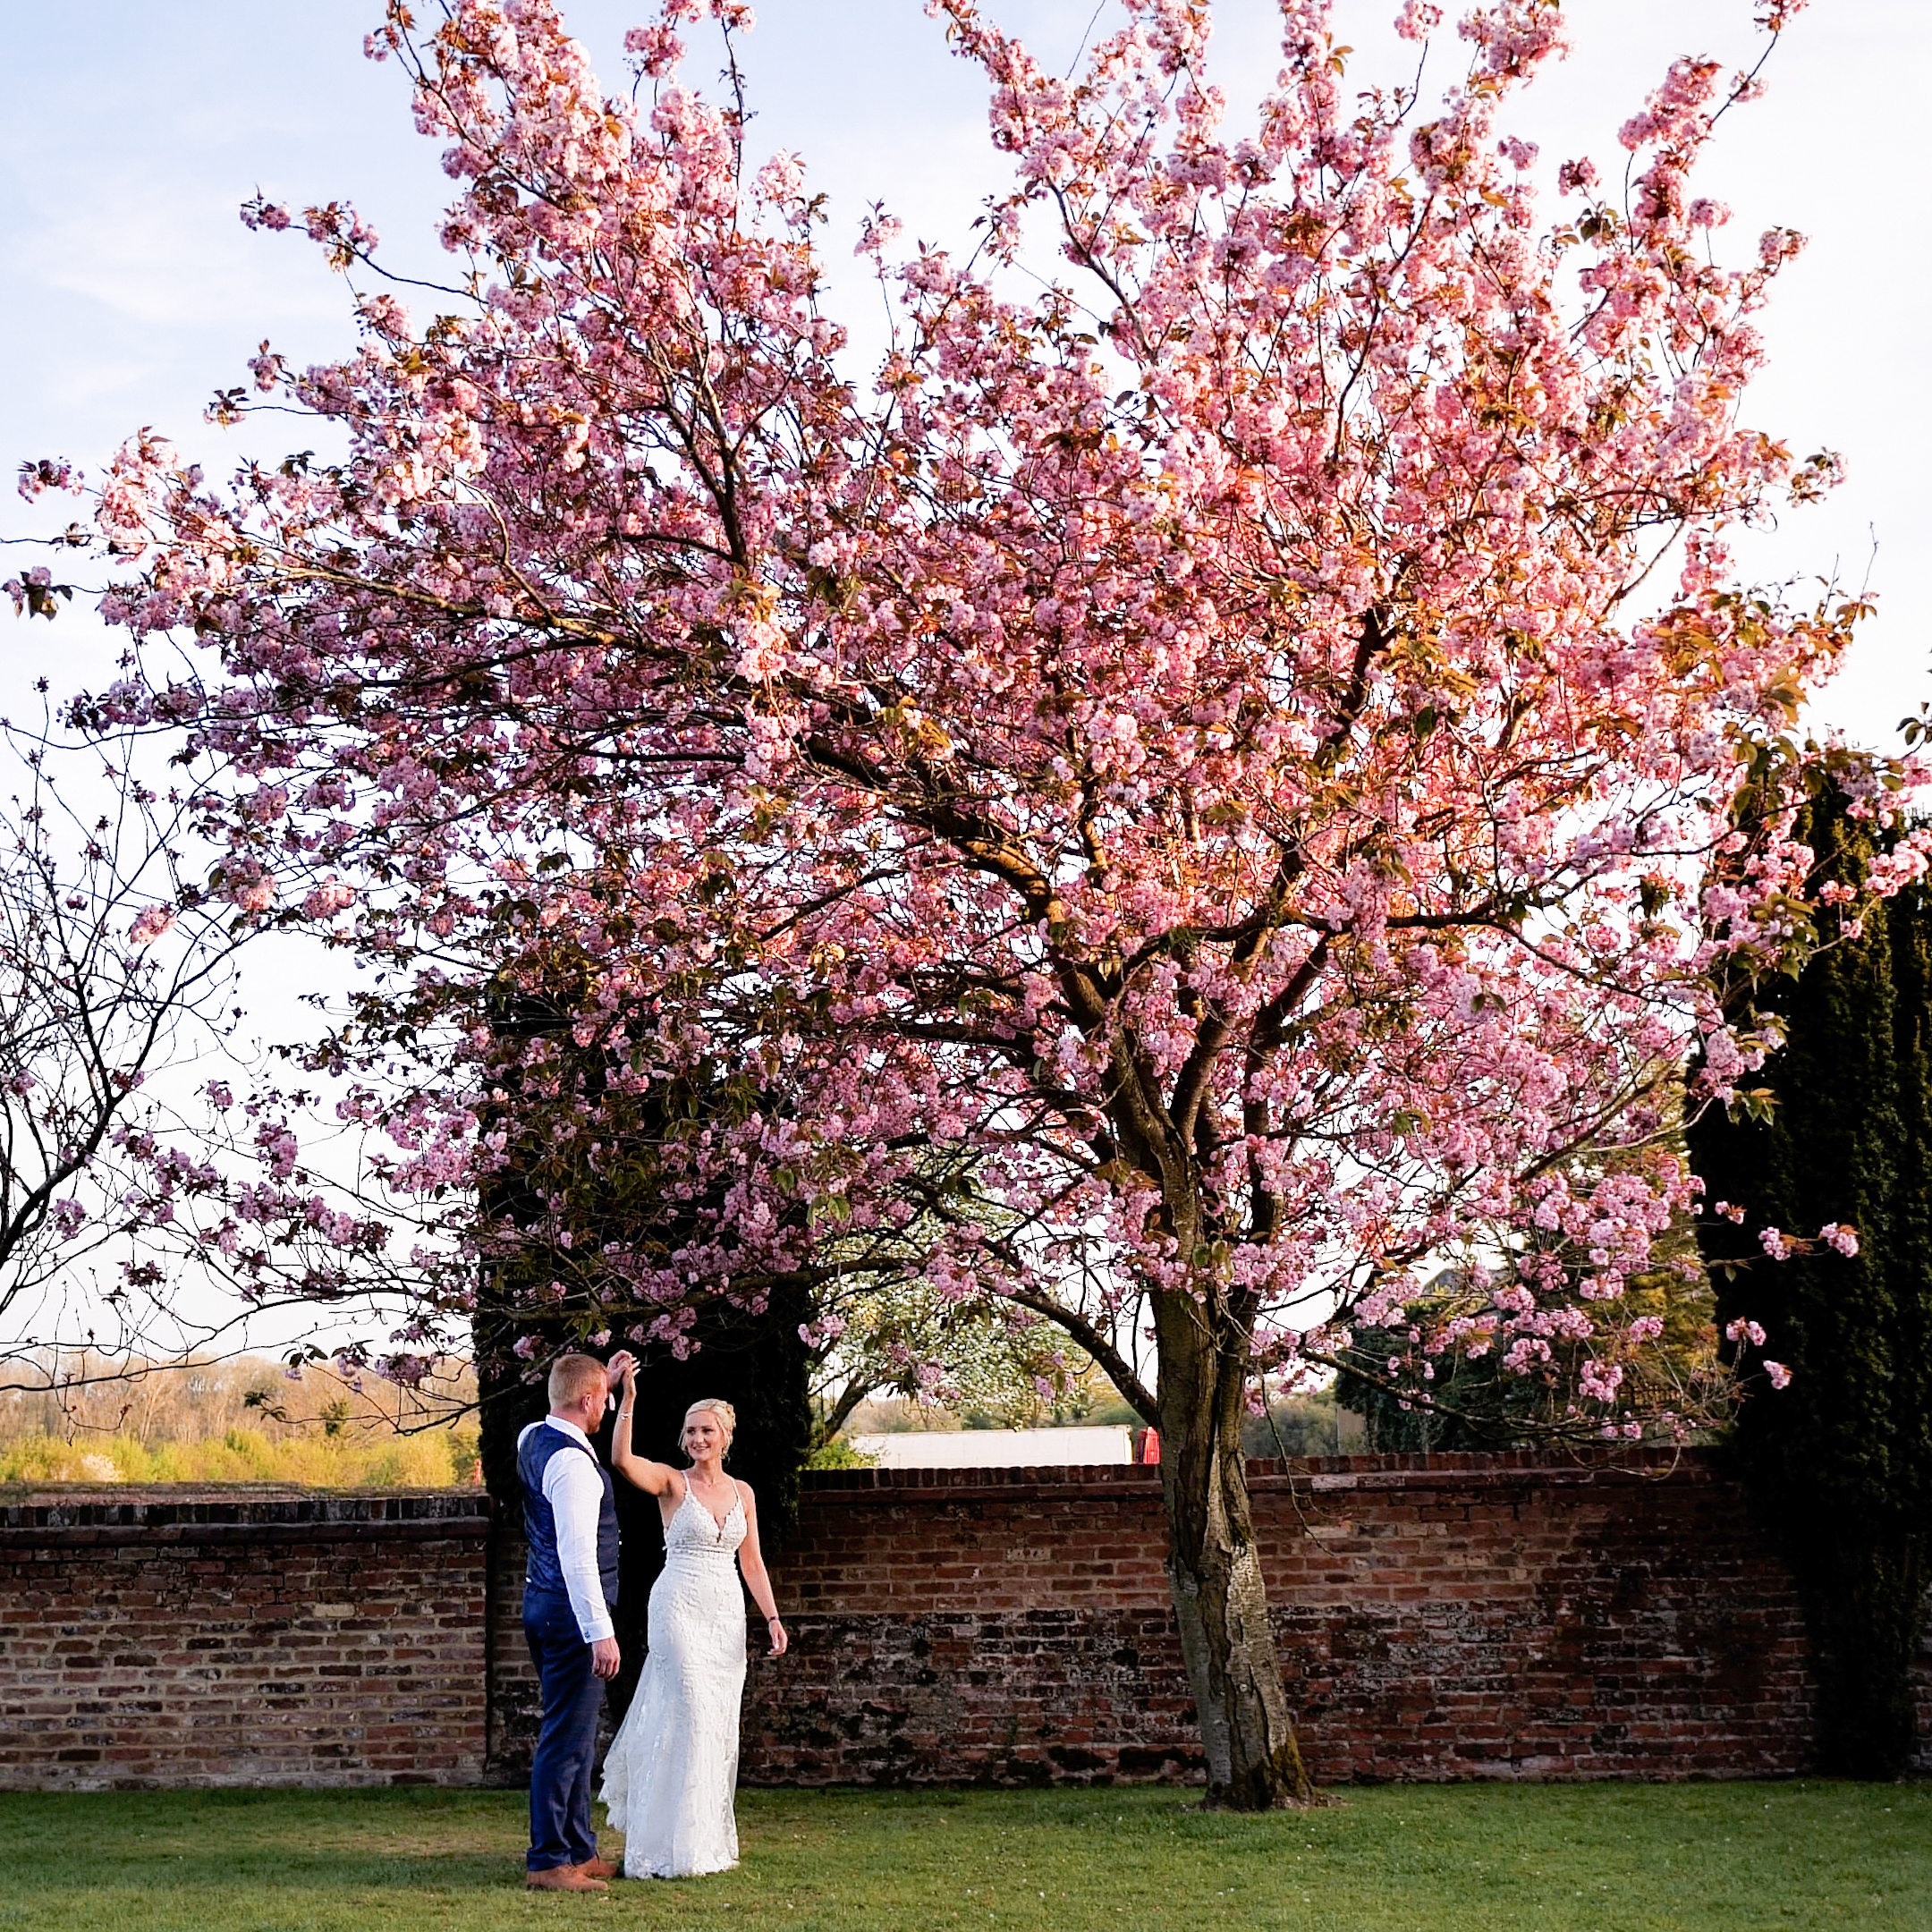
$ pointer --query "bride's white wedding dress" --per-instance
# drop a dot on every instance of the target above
(672, 1766)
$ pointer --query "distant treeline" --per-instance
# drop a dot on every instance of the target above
(93, 1418)
(1303, 1424)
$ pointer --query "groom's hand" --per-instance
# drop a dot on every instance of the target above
(603, 1658)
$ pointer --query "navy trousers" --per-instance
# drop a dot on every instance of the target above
(559, 1772)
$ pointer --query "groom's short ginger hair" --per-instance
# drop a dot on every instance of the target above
(574, 1376)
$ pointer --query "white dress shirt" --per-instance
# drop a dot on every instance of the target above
(574, 1487)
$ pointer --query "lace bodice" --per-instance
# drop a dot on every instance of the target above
(694, 1532)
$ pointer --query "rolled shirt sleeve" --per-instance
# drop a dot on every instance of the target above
(574, 1491)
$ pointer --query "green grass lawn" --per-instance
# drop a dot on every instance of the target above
(1591, 1857)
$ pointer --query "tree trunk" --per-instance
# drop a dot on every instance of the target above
(1214, 1569)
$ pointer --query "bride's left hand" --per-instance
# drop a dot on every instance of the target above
(775, 1631)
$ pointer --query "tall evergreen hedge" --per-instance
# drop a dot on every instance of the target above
(757, 1363)
(755, 1360)
(1841, 1460)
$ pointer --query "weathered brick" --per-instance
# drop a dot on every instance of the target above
(1437, 1618)
(165, 1638)
(1446, 1617)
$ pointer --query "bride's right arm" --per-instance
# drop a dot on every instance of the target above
(655, 1478)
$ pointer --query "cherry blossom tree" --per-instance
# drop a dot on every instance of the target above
(1179, 807)
(109, 970)
(149, 1211)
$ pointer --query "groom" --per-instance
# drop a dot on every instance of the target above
(570, 1518)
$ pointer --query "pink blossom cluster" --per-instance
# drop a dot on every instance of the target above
(46, 473)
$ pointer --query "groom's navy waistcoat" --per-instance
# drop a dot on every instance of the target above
(546, 1571)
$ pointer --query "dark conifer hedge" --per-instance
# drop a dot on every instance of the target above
(756, 1361)
(1840, 1460)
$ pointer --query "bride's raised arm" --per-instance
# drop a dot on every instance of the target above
(655, 1478)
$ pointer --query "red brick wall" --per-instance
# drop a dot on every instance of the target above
(183, 1638)
(1439, 1617)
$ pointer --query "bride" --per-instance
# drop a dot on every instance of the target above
(672, 1768)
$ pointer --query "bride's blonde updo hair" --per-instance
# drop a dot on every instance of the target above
(726, 1415)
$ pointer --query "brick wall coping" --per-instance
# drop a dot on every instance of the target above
(238, 1512)
(1503, 1470)
(201, 1513)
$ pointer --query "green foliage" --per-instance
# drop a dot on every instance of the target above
(1309, 1425)
(1033, 1378)
(993, 1357)
(1676, 1385)
(1841, 1457)
(1001, 1365)
(1472, 1405)
(837, 1454)
(462, 1454)
(1737, 1857)
(1480, 1407)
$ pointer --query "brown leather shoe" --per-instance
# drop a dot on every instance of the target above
(601, 1868)
(563, 1879)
